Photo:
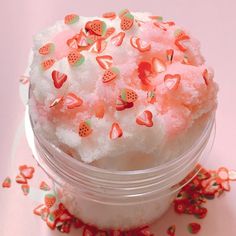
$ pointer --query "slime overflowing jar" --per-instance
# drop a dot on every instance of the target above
(118, 199)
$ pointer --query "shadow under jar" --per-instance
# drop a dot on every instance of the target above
(117, 199)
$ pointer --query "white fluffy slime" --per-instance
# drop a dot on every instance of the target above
(152, 106)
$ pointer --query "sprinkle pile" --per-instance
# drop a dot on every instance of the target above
(206, 185)
(26, 173)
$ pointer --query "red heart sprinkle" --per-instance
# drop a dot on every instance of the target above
(117, 40)
(133, 42)
(21, 179)
(99, 109)
(164, 25)
(179, 33)
(99, 46)
(25, 188)
(38, 210)
(72, 101)
(109, 15)
(81, 39)
(205, 76)
(105, 61)
(169, 23)
(6, 183)
(172, 81)
(129, 105)
(160, 26)
(170, 55)
(179, 42)
(27, 171)
(158, 66)
(44, 186)
(116, 131)
(58, 78)
(44, 213)
(143, 46)
(72, 43)
(145, 119)
(194, 228)
(56, 101)
(144, 71)
(140, 22)
(109, 32)
(92, 38)
(120, 104)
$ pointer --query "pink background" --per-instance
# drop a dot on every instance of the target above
(213, 22)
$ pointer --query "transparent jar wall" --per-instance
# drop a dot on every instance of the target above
(132, 207)
(124, 216)
(115, 216)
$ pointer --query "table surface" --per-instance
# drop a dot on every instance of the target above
(213, 22)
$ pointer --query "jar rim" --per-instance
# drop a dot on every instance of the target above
(29, 125)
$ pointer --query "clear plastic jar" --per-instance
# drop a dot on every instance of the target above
(117, 199)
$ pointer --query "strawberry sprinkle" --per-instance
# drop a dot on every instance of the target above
(6, 183)
(44, 186)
